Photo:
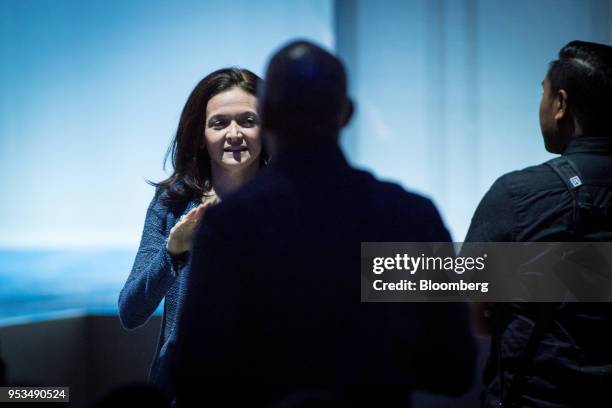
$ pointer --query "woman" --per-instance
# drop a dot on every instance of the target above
(216, 149)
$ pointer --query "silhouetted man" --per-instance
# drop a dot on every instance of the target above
(273, 315)
(551, 355)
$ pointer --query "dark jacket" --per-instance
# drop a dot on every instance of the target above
(272, 307)
(153, 278)
(573, 363)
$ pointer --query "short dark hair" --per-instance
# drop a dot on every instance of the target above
(191, 163)
(584, 71)
(304, 93)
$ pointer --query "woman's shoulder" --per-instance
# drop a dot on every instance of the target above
(163, 203)
(160, 207)
(160, 199)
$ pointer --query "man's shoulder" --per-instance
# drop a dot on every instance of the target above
(260, 192)
(273, 190)
(532, 178)
(392, 194)
(526, 173)
(408, 216)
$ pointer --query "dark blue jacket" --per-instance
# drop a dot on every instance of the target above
(153, 278)
(273, 303)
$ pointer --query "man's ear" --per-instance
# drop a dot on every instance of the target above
(349, 108)
(560, 106)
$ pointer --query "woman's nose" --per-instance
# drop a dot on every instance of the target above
(234, 135)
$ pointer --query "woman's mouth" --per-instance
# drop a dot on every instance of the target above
(237, 149)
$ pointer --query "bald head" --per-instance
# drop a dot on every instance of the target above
(304, 97)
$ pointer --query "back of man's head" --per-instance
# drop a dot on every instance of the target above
(584, 71)
(304, 98)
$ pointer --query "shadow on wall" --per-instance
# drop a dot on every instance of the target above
(92, 355)
(134, 396)
(106, 366)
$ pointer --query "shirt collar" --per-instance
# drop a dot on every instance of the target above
(597, 145)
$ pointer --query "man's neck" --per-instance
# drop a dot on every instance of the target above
(224, 182)
(280, 147)
(577, 130)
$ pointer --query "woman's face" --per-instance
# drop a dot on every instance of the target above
(231, 132)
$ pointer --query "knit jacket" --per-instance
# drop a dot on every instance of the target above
(155, 276)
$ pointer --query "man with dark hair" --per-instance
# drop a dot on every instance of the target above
(273, 315)
(555, 355)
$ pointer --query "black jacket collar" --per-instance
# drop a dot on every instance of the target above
(595, 145)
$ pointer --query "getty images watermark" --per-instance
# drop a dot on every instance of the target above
(491, 272)
(414, 264)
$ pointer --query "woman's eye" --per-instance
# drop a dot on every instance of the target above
(250, 121)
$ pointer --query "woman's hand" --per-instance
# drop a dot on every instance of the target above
(181, 235)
